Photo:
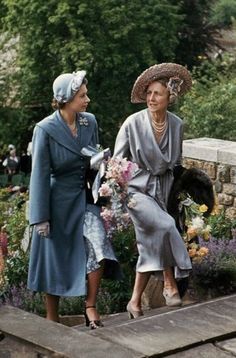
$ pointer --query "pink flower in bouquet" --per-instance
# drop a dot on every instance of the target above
(105, 190)
(119, 172)
(107, 216)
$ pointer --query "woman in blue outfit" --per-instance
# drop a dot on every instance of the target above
(65, 250)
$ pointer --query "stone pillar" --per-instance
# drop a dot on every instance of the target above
(218, 159)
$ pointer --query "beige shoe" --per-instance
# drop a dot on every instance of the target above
(172, 300)
(133, 314)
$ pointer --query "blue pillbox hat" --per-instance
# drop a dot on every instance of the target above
(66, 85)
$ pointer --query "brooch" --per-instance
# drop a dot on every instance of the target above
(83, 121)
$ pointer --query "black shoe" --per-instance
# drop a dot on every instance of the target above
(93, 324)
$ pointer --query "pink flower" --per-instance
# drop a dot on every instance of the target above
(105, 190)
(107, 214)
(118, 174)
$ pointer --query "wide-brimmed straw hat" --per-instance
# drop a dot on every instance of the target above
(155, 72)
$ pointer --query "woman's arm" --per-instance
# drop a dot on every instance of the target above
(39, 206)
(179, 160)
(122, 143)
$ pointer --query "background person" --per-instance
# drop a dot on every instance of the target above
(152, 138)
(12, 163)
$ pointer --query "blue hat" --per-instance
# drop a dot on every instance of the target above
(66, 85)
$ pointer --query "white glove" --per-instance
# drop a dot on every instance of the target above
(97, 159)
(43, 229)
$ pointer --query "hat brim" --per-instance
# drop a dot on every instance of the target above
(155, 72)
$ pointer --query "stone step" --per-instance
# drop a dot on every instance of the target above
(206, 330)
(165, 332)
(122, 317)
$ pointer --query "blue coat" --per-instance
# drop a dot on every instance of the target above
(57, 194)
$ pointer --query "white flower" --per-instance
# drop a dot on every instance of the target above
(208, 228)
(198, 223)
(131, 203)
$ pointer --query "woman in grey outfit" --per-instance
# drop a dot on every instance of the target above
(152, 138)
(69, 243)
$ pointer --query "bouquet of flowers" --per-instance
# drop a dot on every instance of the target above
(195, 226)
(117, 175)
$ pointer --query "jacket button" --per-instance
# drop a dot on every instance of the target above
(81, 177)
(82, 158)
(82, 167)
(81, 186)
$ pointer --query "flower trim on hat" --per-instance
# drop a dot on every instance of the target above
(174, 85)
(77, 80)
(66, 85)
(180, 80)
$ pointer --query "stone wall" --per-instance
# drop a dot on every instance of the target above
(218, 159)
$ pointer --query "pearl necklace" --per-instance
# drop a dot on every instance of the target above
(159, 128)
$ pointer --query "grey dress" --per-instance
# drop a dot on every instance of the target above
(158, 240)
(59, 264)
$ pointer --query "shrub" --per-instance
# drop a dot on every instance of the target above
(114, 295)
(223, 13)
(15, 223)
(215, 275)
(209, 109)
(222, 226)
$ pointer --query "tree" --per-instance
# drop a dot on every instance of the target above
(197, 35)
(223, 13)
(114, 40)
(209, 109)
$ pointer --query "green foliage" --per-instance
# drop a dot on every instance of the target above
(223, 13)
(126, 37)
(117, 293)
(215, 275)
(222, 226)
(215, 278)
(209, 109)
(14, 221)
(196, 34)
(16, 127)
(4, 206)
(122, 41)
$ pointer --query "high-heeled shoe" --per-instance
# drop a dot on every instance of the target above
(133, 314)
(172, 300)
(93, 324)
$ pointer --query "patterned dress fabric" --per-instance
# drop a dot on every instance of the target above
(99, 247)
